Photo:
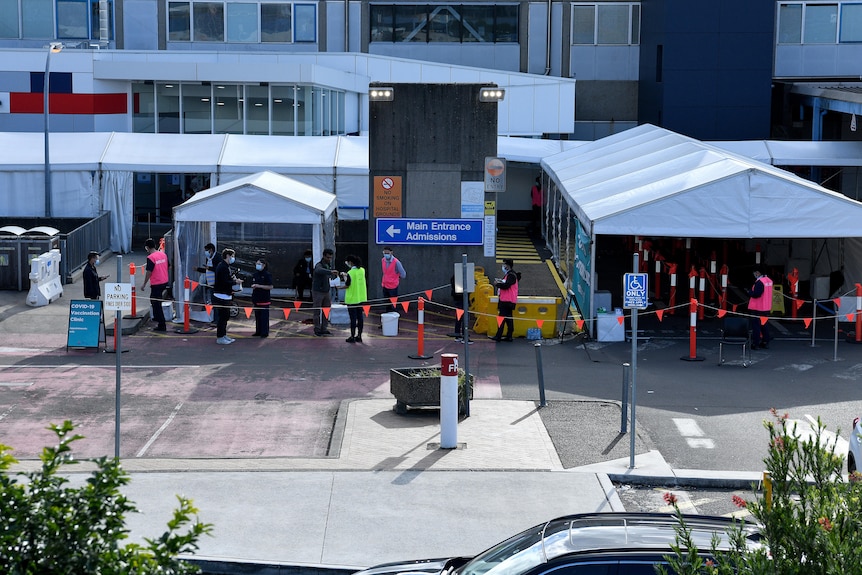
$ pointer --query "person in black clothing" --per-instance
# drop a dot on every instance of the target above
(302, 273)
(208, 269)
(261, 285)
(223, 294)
(91, 277)
(507, 297)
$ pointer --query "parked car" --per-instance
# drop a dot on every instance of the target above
(586, 544)
(854, 453)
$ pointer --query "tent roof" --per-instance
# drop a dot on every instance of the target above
(264, 197)
(25, 151)
(163, 152)
(650, 181)
(296, 154)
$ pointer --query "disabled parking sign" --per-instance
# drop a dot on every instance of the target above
(635, 291)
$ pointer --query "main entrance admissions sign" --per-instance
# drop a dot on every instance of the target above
(422, 231)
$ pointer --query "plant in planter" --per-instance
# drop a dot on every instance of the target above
(420, 387)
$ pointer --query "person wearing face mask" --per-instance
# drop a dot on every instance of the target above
(302, 275)
(261, 285)
(212, 260)
(91, 277)
(355, 296)
(158, 278)
(507, 297)
(393, 273)
(223, 294)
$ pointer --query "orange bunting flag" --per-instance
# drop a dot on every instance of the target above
(621, 319)
(428, 294)
(209, 307)
(500, 320)
(326, 312)
(763, 320)
(850, 316)
(722, 312)
(540, 323)
(659, 313)
(837, 302)
(367, 309)
(247, 312)
(286, 311)
(580, 323)
(459, 313)
(394, 300)
(405, 305)
(296, 304)
(807, 322)
(195, 285)
(798, 303)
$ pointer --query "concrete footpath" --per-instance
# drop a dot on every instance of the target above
(374, 488)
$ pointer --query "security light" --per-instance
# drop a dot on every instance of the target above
(381, 94)
(491, 94)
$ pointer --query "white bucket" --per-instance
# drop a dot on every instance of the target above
(389, 322)
(168, 310)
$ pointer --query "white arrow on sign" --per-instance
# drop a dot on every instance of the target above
(392, 230)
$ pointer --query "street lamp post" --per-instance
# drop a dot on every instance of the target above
(53, 48)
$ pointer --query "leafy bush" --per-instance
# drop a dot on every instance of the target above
(49, 527)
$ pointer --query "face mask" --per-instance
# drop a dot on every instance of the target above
(347, 264)
(388, 257)
(505, 269)
(208, 254)
(258, 267)
(96, 262)
(231, 260)
(308, 259)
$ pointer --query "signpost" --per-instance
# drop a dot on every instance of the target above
(118, 297)
(426, 231)
(634, 298)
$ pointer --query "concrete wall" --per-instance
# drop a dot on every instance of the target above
(434, 136)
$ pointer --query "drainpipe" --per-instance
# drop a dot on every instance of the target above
(548, 44)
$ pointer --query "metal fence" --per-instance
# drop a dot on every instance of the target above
(93, 236)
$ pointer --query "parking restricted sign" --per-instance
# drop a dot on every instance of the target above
(635, 291)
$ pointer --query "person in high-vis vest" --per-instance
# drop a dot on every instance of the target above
(392, 273)
(355, 296)
(507, 297)
(759, 305)
(157, 277)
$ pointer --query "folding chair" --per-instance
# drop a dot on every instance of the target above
(735, 331)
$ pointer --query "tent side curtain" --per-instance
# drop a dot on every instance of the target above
(117, 198)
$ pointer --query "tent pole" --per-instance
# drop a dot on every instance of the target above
(593, 326)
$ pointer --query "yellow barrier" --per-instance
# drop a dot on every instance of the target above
(482, 301)
(777, 300)
(528, 309)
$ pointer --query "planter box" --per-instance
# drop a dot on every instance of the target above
(416, 387)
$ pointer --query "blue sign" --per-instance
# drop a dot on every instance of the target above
(419, 231)
(85, 323)
(635, 291)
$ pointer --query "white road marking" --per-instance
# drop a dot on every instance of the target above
(693, 434)
(700, 442)
(805, 430)
(16, 384)
(8, 411)
(160, 430)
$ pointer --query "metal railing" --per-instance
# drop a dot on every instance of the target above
(95, 235)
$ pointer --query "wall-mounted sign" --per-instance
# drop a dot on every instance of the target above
(387, 196)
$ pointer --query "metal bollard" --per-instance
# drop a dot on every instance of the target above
(625, 411)
(541, 374)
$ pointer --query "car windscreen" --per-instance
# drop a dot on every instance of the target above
(519, 553)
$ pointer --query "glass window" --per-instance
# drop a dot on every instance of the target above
(410, 23)
(8, 18)
(341, 105)
(851, 23)
(257, 110)
(143, 108)
(305, 22)
(507, 23)
(37, 19)
(304, 112)
(636, 24)
(381, 23)
(208, 21)
(478, 23)
(95, 20)
(179, 22)
(821, 23)
(583, 25)
(275, 22)
(318, 112)
(228, 109)
(283, 111)
(613, 24)
(168, 106)
(197, 109)
(72, 19)
(242, 22)
(790, 24)
(444, 25)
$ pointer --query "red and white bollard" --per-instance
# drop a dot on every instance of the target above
(701, 296)
(134, 311)
(724, 274)
(657, 282)
(793, 280)
(757, 254)
(187, 287)
(420, 342)
(858, 338)
(692, 337)
(448, 401)
(713, 276)
(671, 303)
(692, 283)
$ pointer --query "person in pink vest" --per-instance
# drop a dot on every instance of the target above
(393, 273)
(507, 297)
(157, 277)
(759, 305)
